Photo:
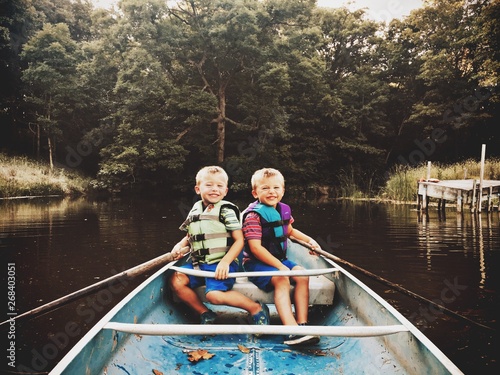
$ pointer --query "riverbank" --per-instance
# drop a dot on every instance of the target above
(22, 177)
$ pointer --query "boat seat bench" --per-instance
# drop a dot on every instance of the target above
(321, 291)
(224, 329)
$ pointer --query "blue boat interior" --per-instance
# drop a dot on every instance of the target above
(239, 354)
(113, 352)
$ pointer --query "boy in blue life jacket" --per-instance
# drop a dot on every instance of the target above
(267, 224)
(214, 234)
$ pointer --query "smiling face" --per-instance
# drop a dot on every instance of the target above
(212, 188)
(269, 190)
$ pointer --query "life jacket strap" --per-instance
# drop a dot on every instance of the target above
(203, 252)
(198, 217)
(281, 239)
(208, 236)
(273, 224)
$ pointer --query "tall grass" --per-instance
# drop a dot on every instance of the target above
(353, 186)
(20, 176)
(401, 184)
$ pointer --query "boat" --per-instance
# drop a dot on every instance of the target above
(149, 331)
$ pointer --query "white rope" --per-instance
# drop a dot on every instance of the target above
(226, 329)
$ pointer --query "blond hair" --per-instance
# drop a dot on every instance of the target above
(213, 169)
(266, 173)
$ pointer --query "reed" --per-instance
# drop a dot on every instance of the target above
(402, 181)
(401, 184)
(349, 182)
(20, 176)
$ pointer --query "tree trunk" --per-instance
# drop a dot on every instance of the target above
(51, 152)
(221, 126)
(221, 134)
(37, 142)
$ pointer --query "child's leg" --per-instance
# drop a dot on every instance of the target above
(301, 297)
(219, 292)
(179, 283)
(235, 299)
(282, 299)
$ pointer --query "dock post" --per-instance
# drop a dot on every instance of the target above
(473, 201)
(418, 196)
(460, 201)
(424, 199)
(490, 204)
(481, 175)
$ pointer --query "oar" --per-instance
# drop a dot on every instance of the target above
(391, 284)
(129, 274)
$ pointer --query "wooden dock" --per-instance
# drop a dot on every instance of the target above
(470, 193)
(463, 192)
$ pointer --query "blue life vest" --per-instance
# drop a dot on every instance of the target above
(207, 233)
(274, 224)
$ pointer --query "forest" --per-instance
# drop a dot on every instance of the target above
(143, 95)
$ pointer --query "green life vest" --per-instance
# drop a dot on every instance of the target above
(207, 233)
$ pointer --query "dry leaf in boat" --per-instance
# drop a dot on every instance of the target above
(196, 355)
(243, 349)
(156, 372)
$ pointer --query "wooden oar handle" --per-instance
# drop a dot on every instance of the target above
(167, 257)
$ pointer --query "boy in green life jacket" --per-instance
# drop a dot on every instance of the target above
(214, 234)
(267, 224)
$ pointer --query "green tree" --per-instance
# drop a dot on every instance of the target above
(21, 20)
(401, 62)
(195, 68)
(145, 143)
(50, 79)
(357, 123)
(228, 47)
(157, 88)
(135, 96)
(16, 26)
(452, 69)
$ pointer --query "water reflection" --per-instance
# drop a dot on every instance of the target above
(472, 234)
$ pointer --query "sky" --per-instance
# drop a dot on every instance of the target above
(378, 10)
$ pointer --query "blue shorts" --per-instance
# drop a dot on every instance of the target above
(264, 282)
(210, 282)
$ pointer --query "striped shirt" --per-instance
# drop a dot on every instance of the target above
(230, 220)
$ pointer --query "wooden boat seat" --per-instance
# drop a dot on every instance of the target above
(321, 291)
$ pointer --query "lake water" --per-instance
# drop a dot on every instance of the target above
(52, 247)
